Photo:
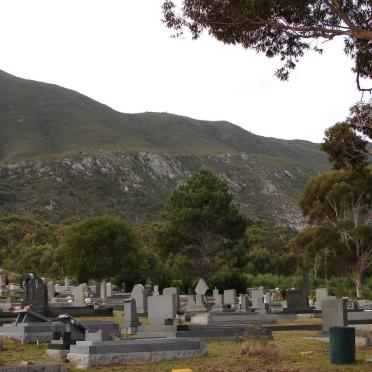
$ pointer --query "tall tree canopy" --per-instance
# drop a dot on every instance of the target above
(342, 201)
(346, 143)
(284, 28)
(201, 219)
(101, 248)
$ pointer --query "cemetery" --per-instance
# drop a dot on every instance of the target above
(167, 325)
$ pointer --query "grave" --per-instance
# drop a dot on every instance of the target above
(37, 367)
(30, 327)
(35, 294)
(224, 333)
(229, 318)
(51, 291)
(334, 313)
(244, 302)
(297, 302)
(201, 288)
(162, 308)
(78, 293)
(320, 295)
(93, 353)
(130, 324)
(229, 297)
(138, 293)
(109, 290)
(257, 300)
(175, 291)
(218, 300)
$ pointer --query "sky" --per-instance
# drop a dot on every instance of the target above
(119, 53)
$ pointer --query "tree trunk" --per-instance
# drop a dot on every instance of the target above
(358, 284)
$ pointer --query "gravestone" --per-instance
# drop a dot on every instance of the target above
(199, 301)
(78, 293)
(257, 299)
(161, 308)
(67, 284)
(102, 292)
(229, 297)
(201, 288)
(190, 300)
(35, 293)
(138, 293)
(297, 301)
(321, 294)
(156, 290)
(218, 299)
(51, 290)
(109, 290)
(175, 291)
(244, 304)
(2, 279)
(130, 324)
(98, 290)
(334, 313)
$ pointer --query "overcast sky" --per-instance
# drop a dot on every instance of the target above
(119, 53)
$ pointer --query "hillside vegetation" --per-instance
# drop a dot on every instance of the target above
(64, 156)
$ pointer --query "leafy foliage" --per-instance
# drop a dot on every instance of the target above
(284, 28)
(201, 219)
(101, 248)
(342, 202)
(346, 143)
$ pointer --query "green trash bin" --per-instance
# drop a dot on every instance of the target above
(342, 345)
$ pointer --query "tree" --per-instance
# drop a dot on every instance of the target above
(342, 200)
(101, 248)
(346, 143)
(284, 28)
(200, 220)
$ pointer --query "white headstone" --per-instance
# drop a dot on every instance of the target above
(138, 293)
(109, 290)
(201, 288)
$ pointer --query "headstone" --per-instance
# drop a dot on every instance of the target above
(201, 288)
(161, 308)
(156, 290)
(51, 290)
(244, 304)
(257, 299)
(35, 293)
(190, 300)
(109, 290)
(334, 313)
(175, 291)
(78, 293)
(199, 300)
(130, 316)
(98, 290)
(297, 301)
(138, 293)
(103, 293)
(229, 297)
(2, 279)
(320, 295)
(218, 299)
(67, 284)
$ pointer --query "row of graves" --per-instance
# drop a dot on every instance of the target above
(177, 326)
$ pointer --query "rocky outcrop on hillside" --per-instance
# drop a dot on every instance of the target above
(135, 186)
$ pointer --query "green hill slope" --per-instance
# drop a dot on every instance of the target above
(65, 156)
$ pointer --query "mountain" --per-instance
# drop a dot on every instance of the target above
(64, 156)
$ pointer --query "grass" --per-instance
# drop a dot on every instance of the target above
(288, 352)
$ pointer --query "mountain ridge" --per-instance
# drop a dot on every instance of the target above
(56, 143)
